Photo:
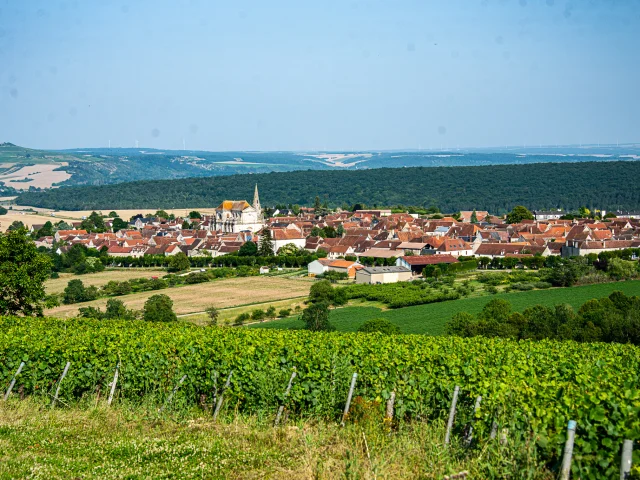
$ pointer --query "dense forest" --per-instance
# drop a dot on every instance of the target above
(496, 188)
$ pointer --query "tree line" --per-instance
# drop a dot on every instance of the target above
(570, 186)
(615, 318)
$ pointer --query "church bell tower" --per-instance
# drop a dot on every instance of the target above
(256, 203)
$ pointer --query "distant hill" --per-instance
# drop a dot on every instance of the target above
(496, 188)
(13, 154)
(103, 166)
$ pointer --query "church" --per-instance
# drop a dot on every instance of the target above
(233, 216)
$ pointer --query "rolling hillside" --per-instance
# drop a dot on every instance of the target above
(104, 166)
(496, 188)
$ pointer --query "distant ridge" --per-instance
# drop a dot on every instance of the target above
(496, 188)
(103, 166)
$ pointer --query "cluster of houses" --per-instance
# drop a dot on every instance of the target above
(412, 241)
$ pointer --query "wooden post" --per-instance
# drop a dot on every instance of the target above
(390, 403)
(452, 414)
(348, 404)
(221, 399)
(494, 430)
(64, 374)
(475, 409)
(625, 465)
(565, 473)
(13, 382)
(286, 393)
(215, 390)
(173, 392)
(113, 384)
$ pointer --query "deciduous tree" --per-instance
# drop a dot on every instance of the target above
(316, 317)
(159, 308)
(518, 214)
(23, 271)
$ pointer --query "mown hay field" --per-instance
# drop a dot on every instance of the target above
(57, 285)
(223, 293)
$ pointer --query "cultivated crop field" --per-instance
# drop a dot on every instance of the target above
(531, 388)
(57, 285)
(431, 318)
(223, 293)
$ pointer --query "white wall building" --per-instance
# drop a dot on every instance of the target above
(233, 216)
(374, 275)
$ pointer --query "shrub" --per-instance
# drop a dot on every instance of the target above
(316, 317)
(381, 325)
(257, 315)
(523, 287)
(321, 291)
(242, 318)
(90, 312)
(213, 313)
(333, 277)
(194, 278)
(75, 292)
(159, 308)
(116, 310)
(285, 312)
(157, 284)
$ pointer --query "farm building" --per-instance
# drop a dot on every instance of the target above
(319, 266)
(345, 266)
(324, 265)
(374, 275)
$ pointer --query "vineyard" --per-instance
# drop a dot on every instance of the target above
(530, 389)
(406, 294)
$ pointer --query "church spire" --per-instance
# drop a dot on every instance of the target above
(256, 202)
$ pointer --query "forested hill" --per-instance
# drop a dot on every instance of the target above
(496, 188)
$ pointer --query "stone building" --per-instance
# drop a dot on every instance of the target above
(233, 216)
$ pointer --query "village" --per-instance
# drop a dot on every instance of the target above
(370, 246)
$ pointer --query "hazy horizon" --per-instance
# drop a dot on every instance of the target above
(336, 76)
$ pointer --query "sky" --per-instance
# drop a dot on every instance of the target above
(318, 74)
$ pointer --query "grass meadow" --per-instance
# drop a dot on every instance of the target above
(91, 440)
(57, 285)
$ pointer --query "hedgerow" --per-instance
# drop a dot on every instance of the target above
(538, 386)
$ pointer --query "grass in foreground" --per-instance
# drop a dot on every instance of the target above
(94, 441)
(431, 319)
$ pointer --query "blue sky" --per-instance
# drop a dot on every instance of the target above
(323, 74)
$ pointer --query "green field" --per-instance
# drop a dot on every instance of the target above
(431, 318)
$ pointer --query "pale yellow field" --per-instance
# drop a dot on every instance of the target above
(41, 175)
(195, 298)
(43, 215)
(57, 285)
(26, 219)
(127, 214)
